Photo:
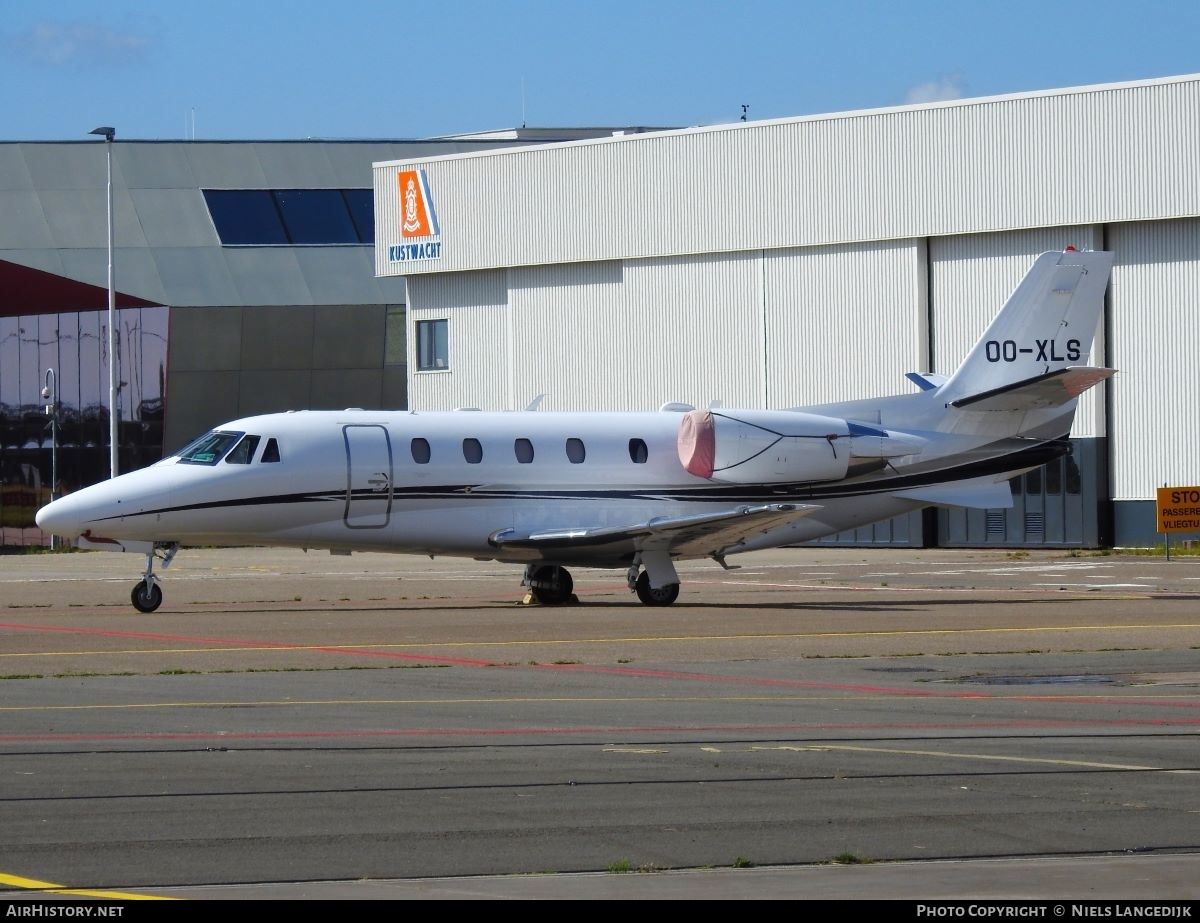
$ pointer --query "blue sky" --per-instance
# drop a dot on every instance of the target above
(262, 69)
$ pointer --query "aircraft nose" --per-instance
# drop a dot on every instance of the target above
(61, 517)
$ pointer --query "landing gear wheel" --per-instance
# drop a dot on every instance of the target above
(663, 596)
(551, 584)
(146, 600)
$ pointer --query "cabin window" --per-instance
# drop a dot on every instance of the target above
(576, 453)
(638, 453)
(243, 452)
(420, 450)
(523, 449)
(209, 448)
(271, 452)
(433, 345)
(472, 451)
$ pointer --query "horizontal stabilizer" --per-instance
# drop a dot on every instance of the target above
(1049, 390)
(980, 494)
(698, 535)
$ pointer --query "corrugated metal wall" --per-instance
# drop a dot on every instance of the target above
(1083, 156)
(843, 322)
(972, 276)
(474, 303)
(570, 337)
(698, 325)
(810, 260)
(1155, 337)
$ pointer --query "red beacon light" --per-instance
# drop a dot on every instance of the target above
(1070, 248)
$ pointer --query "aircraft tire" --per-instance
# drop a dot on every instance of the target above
(663, 596)
(146, 602)
(551, 585)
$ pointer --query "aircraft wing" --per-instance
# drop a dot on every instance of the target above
(1049, 390)
(690, 536)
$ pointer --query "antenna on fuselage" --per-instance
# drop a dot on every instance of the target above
(535, 403)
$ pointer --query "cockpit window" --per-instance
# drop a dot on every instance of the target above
(209, 448)
(243, 452)
(271, 452)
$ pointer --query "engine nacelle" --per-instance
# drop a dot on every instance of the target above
(763, 446)
(780, 446)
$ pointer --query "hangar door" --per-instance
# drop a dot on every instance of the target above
(1054, 505)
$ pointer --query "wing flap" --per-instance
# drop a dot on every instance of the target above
(697, 535)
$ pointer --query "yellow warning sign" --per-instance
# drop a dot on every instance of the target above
(1179, 509)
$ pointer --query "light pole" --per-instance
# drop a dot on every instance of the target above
(109, 133)
(50, 395)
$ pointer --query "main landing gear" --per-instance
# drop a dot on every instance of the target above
(551, 585)
(147, 595)
(663, 596)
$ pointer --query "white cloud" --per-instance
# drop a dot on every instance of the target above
(944, 88)
(80, 43)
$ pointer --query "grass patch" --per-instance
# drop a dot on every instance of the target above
(741, 862)
(1184, 549)
(849, 858)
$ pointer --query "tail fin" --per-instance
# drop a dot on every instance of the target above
(1046, 326)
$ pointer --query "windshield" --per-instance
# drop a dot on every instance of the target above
(208, 449)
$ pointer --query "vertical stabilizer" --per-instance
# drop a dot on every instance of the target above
(1047, 325)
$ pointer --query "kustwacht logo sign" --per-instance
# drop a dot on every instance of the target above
(418, 220)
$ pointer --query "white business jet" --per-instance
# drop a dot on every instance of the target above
(635, 491)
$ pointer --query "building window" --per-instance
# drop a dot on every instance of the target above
(638, 453)
(395, 336)
(245, 217)
(292, 217)
(433, 346)
(576, 452)
(472, 451)
(361, 203)
(523, 449)
(420, 451)
(316, 216)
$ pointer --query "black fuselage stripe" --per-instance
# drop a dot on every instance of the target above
(1024, 458)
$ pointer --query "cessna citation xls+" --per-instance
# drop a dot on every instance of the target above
(636, 491)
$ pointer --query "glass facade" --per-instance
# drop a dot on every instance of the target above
(75, 346)
(292, 217)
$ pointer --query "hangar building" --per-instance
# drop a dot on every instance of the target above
(807, 260)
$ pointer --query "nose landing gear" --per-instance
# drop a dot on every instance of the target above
(147, 595)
